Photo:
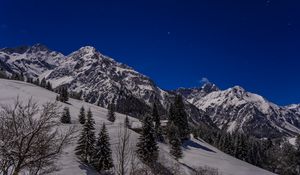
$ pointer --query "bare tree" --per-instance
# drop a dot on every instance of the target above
(123, 151)
(30, 139)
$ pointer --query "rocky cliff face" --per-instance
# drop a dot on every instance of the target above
(235, 109)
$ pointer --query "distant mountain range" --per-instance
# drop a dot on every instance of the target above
(102, 80)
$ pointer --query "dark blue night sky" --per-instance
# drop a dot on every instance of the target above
(251, 43)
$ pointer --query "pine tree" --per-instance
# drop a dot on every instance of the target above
(85, 148)
(111, 113)
(157, 126)
(3, 74)
(178, 115)
(37, 82)
(66, 118)
(82, 115)
(22, 77)
(297, 154)
(174, 141)
(298, 142)
(147, 148)
(126, 122)
(43, 83)
(49, 86)
(102, 159)
(63, 94)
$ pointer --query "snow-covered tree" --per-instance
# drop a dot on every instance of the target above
(111, 116)
(81, 115)
(85, 147)
(102, 159)
(66, 118)
(147, 148)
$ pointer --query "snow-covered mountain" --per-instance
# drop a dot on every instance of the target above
(196, 153)
(294, 107)
(235, 109)
(101, 79)
(31, 61)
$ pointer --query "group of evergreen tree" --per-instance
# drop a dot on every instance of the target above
(45, 84)
(66, 118)
(177, 132)
(269, 154)
(3, 74)
(177, 128)
(111, 116)
(20, 77)
(76, 95)
(92, 151)
(16, 76)
(63, 94)
(178, 116)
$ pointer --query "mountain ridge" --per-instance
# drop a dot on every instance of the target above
(102, 80)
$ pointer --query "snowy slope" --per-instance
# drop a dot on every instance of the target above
(235, 109)
(196, 153)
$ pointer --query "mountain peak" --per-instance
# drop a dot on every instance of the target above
(88, 49)
(38, 47)
(209, 87)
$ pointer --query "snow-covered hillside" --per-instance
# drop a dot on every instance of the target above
(196, 153)
(235, 109)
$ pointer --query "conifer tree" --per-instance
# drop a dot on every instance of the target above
(85, 147)
(37, 82)
(63, 95)
(49, 86)
(147, 149)
(126, 122)
(102, 159)
(81, 115)
(43, 83)
(66, 118)
(157, 126)
(111, 113)
(174, 141)
(298, 141)
(178, 115)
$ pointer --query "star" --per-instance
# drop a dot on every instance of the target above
(169, 33)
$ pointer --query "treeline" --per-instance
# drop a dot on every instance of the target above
(20, 77)
(274, 155)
